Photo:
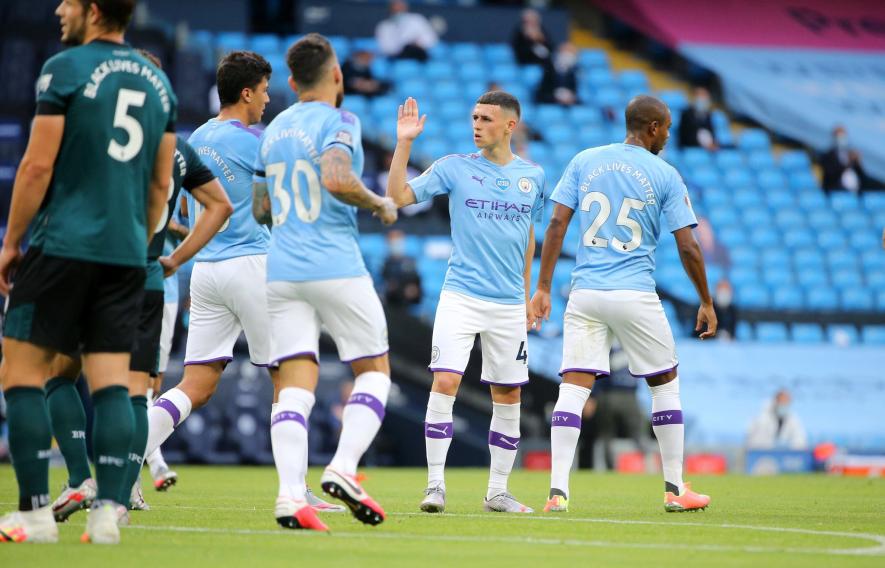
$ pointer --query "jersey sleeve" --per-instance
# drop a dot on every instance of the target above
(197, 172)
(343, 131)
(538, 206)
(259, 174)
(433, 182)
(677, 205)
(566, 191)
(55, 86)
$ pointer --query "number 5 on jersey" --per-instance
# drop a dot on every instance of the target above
(605, 208)
(306, 213)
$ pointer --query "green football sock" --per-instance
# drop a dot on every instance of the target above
(69, 427)
(30, 441)
(139, 443)
(111, 440)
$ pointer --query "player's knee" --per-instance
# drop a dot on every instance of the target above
(380, 364)
(446, 383)
(199, 391)
(506, 395)
(662, 379)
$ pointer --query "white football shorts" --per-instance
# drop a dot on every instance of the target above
(501, 329)
(170, 314)
(227, 297)
(347, 308)
(593, 318)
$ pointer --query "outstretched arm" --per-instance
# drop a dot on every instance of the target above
(338, 177)
(693, 263)
(553, 238)
(409, 124)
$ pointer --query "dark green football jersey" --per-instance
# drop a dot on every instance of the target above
(117, 105)
(188, 172)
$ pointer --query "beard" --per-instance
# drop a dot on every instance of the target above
(76, 32)
(339, 98)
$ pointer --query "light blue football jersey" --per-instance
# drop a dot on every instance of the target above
(229, 148)
(619, 192)
(492, 209)
(314, 234)
(170, 284)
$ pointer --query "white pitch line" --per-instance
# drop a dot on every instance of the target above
(525, 540)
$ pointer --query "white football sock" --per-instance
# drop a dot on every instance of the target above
(438, 432)
(503, 443)
(288, 438)
(565, 430)
(156, 462)
(361, 420)
(165, 415)
(666, 421)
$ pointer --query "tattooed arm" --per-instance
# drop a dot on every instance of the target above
(261, 204)
(338, 177)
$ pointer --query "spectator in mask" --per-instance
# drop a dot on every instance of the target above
(559, 85)
(723, 301)
(402, 283)
(696, 124)
(530, 43)
(358, 78)
(777, 427)
(405, 35)
(842, 167)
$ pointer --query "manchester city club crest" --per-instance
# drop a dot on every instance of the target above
(434, 354)
(525, 185)
(502, 183)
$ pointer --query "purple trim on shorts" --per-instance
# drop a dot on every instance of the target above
(262, 365)
(656, 373)
(288, 415)
(207, 361)
(369, 400)
(385, 352)
(596, 372)
(505, 442)
(293, 355)
(441, 370)
(169, 407)
(439, 431)
(494, 384)
(666, 417)
(565, 419)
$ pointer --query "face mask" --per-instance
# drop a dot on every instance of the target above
(702, 104)
(842, 141)
(781, 410)
(724, 297)
(565, 61)
(397, 247)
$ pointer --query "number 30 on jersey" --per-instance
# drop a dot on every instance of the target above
(303, 170)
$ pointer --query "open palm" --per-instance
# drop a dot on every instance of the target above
(409, 123)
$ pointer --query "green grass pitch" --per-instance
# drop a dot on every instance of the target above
(222, 516)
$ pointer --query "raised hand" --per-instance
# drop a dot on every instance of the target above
(409, 123)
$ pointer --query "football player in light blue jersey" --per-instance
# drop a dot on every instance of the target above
(620, 192)
(494, 199)
(307, 185)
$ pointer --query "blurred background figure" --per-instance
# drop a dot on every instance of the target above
(696, 124)
(402, 283)
(404, 34)
(842, 166)
(559, 85)
(530, 43)
(723, 300)
(381, 182)
(777, 426)
(618, 416)
(358, 78)
(714, 251)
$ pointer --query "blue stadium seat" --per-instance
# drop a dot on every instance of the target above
(418, 88)
(592, 58)
(498, 53)
(676, 100)
(777, 277)
(704, 176)
(440, 51)
(846, 279)
(838, 260)
(831, 239)
(874, 201)
(752, 296)
(865, 239)
(743, 256)
(822, 299)
(438, 70)
(775, 258)
(558, 134)
(794, 161)
(454, 110)
(583, 116)
(787, 298)
(857, 299)
(760, 160)
(230, 41)
(873, 334)
(633, 79)
(724, 217)
(812, 277)
(809, 258)
(873, 260)
(599, 77)
(546, 114)
(799, 238)
(720, 120)
(363, 43)
(608, 97)
(754, 139)
(756, 216)
(738, 179)
(855, 220)
(844, 201)
(780, 199)
(770, 179)
(812, 200)
(842, 334)
(402, 69)
(822, 220)
(771, 332)
(790, 219)
(807, 333)
(715, 197)
(270, 44)
(744, 331)
(696, 157)
(728, 158)
(876, 280)
(803, 180)
(765, 237)
(465, 51)
(531, 75)
(503, 73)
(471, 71)
(880, 300)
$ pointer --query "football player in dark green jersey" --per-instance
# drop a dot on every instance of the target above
(92, 186)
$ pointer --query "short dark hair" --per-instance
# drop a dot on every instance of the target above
(501, 99)
(240, 70)
(307, 59)
(115, 14)
(150, 57)
(642, 110)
